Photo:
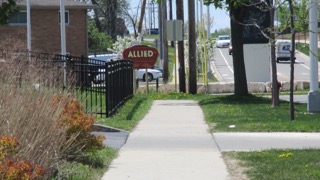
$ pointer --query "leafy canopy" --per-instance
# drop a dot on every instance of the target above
(7, 10)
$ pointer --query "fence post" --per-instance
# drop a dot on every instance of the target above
(107, 85)
(157, 84)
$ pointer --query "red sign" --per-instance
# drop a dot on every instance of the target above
(142, 56)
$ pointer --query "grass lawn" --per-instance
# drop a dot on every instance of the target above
(304, 48)
(281, 164)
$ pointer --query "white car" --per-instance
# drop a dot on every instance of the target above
(140, 75)
(223, 41)
(152, 74)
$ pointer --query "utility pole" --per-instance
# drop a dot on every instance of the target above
(143, 9)
(192, 49)
(313, 95)
(182, 73)
(164, 41)
(171, 18)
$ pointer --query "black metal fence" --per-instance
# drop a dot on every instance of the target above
(101, 86)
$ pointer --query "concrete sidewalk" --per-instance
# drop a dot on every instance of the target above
(172, 142)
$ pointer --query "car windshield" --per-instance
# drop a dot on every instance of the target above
(224, 38)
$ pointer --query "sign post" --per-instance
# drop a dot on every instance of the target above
(174, 33)
(142, 57)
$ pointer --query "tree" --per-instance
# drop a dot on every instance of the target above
(275, 92)
(97, 41)
(292, 59)
(108, 14)
(237, 10)
(143, 9)
(7, 10)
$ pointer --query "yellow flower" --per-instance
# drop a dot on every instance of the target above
(285, 155)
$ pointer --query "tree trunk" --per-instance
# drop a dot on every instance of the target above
(292, 59)
(275, 92)
(96, 17)
(143, 9)
(111, 18)
(192, 48)
(182, 75)
(240, 79)
(164, 41)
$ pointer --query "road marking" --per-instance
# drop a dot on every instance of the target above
(226, 61)
(302, 64)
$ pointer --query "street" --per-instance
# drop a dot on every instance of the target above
(222, 65)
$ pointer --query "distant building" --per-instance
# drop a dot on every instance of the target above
(45, 26)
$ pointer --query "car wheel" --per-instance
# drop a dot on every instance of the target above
(150, 77)
(278, 61)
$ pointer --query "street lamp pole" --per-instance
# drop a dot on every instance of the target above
(63, 40)
(313, 95)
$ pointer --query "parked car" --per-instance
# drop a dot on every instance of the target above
(152, 74)
(103, 57)
(140, 75)
(283, 48)
(230, 48)
(223, 41)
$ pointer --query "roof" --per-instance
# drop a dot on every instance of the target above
(54, 4)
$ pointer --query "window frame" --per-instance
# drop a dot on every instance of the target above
(66, 16)
(19, 23)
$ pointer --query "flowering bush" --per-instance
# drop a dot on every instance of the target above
(15, 169)
(200, 46)
(121, 44)
(78, 124)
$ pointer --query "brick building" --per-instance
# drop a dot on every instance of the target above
(45, 26)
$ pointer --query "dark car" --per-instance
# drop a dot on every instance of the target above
(154, 31)
(230, 48)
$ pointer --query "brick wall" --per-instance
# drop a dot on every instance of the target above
(45, 31)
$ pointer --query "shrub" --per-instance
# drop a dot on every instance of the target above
(15, 169)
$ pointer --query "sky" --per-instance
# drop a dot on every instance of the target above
(221, 18)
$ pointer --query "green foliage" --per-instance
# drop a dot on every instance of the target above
(128, 115)
(301, 13)
(98, 41)
(279, 164)
(90, 167)
(304, 48)
(7, 10)
(255, 114)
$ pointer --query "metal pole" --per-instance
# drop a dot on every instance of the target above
(160, 33)
(175, 57)
(63, 40)
(313, 95)
(208, 22)
(28, 27)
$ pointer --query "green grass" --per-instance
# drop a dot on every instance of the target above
(90, 167)
(255, 114)
(279, 164)
(128, 115)
(249, 114)
(304, 48)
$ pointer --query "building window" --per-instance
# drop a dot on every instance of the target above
(66, 17)
(19, 18)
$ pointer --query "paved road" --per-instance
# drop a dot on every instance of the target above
(223, 65)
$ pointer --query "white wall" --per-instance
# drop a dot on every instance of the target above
(257, 62)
